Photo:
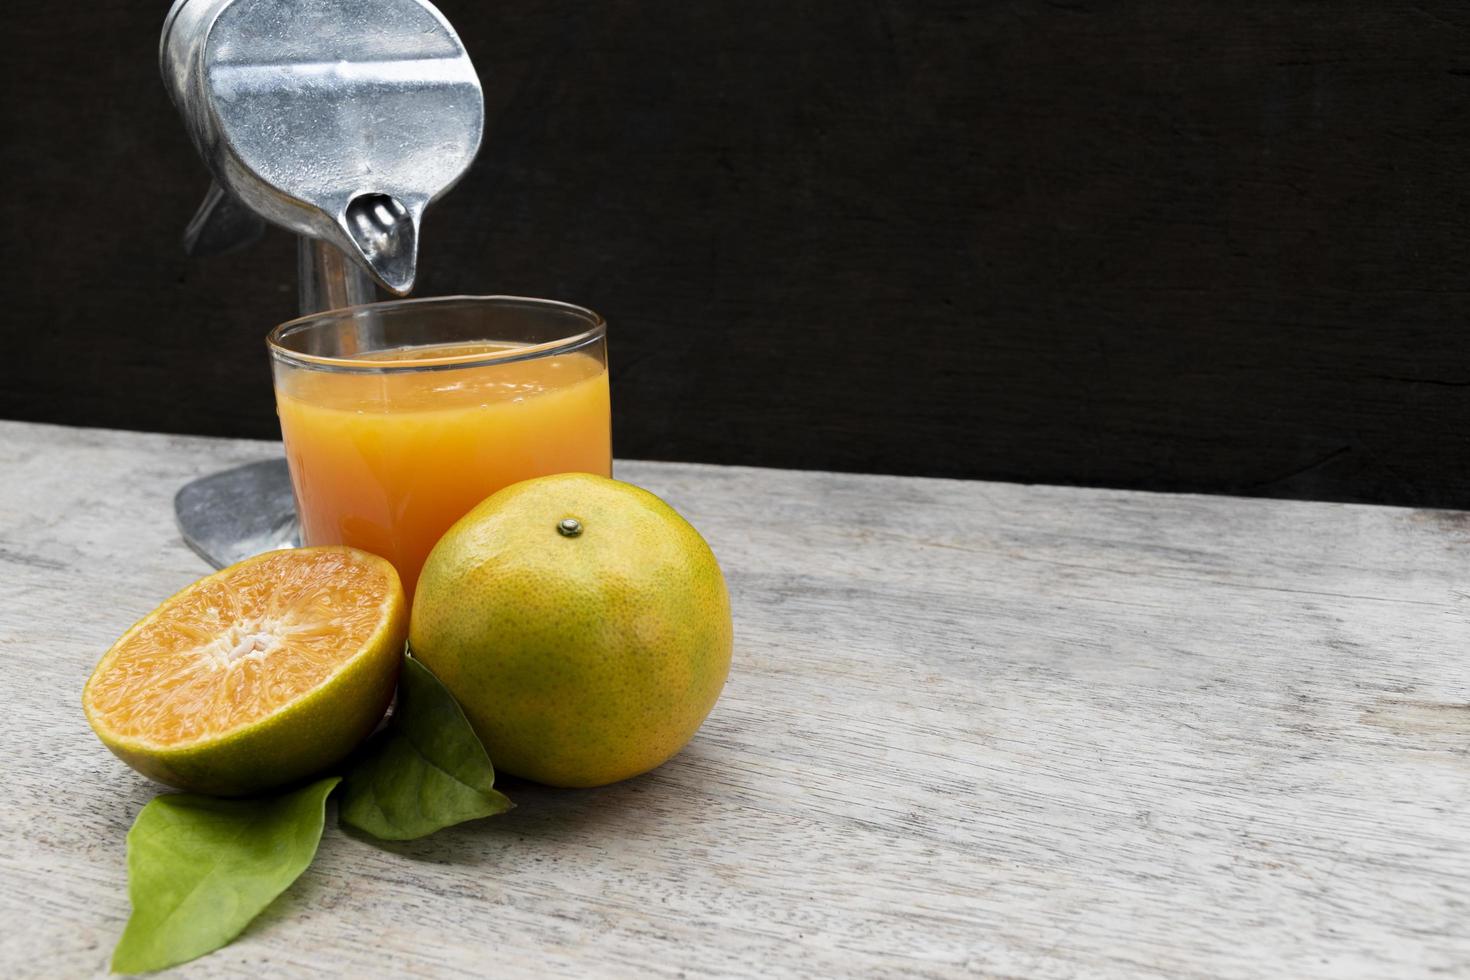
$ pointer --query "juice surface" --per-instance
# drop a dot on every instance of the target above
(387, 462)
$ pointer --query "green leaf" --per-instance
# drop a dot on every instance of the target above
(200, 868)
(427, 770)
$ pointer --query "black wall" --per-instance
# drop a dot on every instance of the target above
(1203, 246)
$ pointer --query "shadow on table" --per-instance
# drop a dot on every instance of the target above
(542, 813)
(543, 816)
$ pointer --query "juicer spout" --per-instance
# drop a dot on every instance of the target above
(383, 234)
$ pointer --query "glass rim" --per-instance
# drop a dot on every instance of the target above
(595, 330)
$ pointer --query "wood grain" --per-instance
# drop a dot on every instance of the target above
(1181, 246)
(972, 729)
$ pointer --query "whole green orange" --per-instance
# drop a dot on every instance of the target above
(582, 624)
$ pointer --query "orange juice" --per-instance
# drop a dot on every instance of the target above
(387, 462)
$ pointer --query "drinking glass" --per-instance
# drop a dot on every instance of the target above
(400, 417)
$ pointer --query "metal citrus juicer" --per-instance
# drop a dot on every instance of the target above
(341, 120)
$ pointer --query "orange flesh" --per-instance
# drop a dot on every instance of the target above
(238, 646)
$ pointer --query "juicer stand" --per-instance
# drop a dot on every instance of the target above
(228, 516)
(341, 122)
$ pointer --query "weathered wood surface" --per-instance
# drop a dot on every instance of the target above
(972, 729)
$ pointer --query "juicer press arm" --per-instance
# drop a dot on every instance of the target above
(222, 224)
(327, 279)
(340, 120)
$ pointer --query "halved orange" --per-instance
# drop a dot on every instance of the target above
(256, 676)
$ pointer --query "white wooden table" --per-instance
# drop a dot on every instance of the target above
(971, 729)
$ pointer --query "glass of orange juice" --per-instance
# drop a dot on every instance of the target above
(399, 417)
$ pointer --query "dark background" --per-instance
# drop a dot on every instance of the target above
(1188, 246)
